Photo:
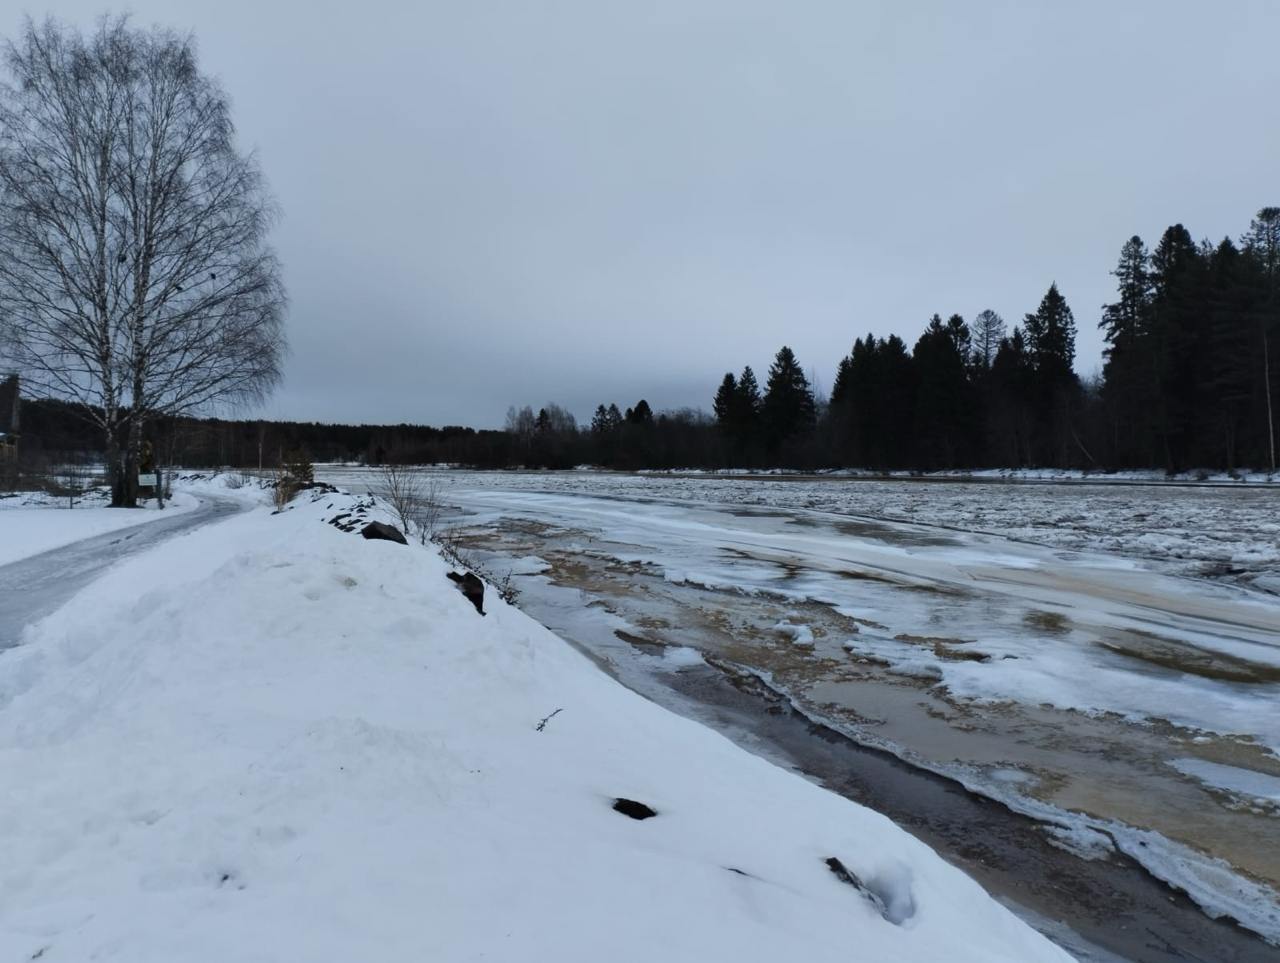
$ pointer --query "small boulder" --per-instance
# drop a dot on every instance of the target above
(636, 810)
(470, 586)
(384, 531)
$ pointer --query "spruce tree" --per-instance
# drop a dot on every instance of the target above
(1051, 346)
(1262, 245)
(1011, 420)
(641, 414)
(865, 401)
(1051, 336)
(841, 387)
(1177, 336)
(1123, 322)
(895, 386)
(1230, 363)
(988, 332)
(725, 402)
(944, 408)
(960, 336)
(747, 405)
(788, 410)
(1130, 384)
(600, 421)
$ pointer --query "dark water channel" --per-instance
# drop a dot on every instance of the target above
(1111, 905)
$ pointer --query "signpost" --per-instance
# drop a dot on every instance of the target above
(150, 478)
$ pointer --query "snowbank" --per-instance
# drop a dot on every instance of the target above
(271, 740)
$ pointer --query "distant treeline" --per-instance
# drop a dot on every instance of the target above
(51, 428)
(1189, 381)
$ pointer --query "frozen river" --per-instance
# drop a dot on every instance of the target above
(1103, 659)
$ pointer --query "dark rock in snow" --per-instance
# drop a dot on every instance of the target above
(845, 875)
(636, 810)
(384, 531)
(890, 894)
(470, 586)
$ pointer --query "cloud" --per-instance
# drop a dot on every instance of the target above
(497, 203)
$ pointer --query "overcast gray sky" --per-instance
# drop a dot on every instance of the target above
(507, 203)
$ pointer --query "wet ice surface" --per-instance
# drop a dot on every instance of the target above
(1228, 532)
(1045, 644)
(1251, 787)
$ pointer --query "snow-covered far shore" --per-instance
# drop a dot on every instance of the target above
(1204, 476)
(1149, 476)
(273, 740)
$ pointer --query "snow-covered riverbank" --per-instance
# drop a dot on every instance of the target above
(271, 739)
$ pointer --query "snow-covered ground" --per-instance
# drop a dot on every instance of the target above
(274, 740)
(33, 522)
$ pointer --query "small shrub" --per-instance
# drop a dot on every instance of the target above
(297, 465)
(292, 477)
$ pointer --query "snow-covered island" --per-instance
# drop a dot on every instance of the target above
(270, 739)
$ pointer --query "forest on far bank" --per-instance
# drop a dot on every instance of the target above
(1189, 382)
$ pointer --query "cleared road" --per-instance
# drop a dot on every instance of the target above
(32, 588)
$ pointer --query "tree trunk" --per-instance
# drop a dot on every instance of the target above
(1266, 384)
(133, 460)
(114, 469)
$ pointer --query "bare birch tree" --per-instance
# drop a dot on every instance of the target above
(135, 279)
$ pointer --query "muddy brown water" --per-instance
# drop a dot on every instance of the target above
(1112, 905)
(1089, 764)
